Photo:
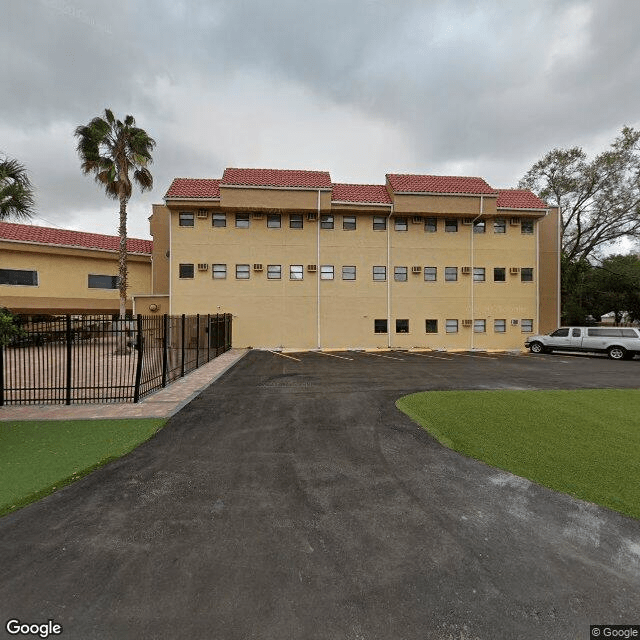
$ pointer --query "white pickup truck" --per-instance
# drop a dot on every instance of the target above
(620, 343)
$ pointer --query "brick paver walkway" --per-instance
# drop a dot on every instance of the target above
(161, 404)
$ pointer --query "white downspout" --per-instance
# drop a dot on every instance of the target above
(473, 322)
(389, 277)
(318, 271)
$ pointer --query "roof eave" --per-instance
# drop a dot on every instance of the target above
(442, 193)
(256, 186)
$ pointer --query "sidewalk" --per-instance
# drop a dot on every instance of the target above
(161, 404)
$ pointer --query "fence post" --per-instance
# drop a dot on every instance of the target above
(68, 335)
(139, 345)
(182, 349)
(1, 375)
(197, 340)
(208, 337)
(165, 348)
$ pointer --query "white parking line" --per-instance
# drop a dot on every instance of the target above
(282, 355)
(332, 355)
(379, 355)
(427, 355)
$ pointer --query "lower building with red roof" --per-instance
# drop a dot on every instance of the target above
(44, 270)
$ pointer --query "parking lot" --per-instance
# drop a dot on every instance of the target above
(291, 499)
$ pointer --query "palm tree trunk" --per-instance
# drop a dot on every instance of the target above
(123, 347)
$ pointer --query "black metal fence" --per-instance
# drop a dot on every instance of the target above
(82, 359)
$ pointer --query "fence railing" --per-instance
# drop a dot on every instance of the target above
(82, 359)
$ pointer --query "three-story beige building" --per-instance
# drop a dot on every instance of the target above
(302, 263)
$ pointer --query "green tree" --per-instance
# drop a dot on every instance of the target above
(16, 193)
(117, 153)
(576, 294)
(615, 286)
(599, 200)
(9, 327)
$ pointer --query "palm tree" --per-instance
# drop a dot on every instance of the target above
(16, 196)
(110, 149)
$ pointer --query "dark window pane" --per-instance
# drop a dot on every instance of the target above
(104, 282)
(19, 277)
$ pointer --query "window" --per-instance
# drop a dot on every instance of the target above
(326, 272)
(527, 325)
(349, 273)
(479, 326)
(526, 226)
(274, 272)
(431, 326)
(273, 221)
(219, 271)
(499, 225)
(22, 277)
(380, 326)
(478, 274)
(450, 274)
(500, 325)
(526, 274)
(479, 226)
(451, 225)
(430, 274)
(451, 326)
(431, 225)
(559, 333)
(402, 326)
(499, 274)
(401, 224)
(326, 222)
(242, 220)
(575, 333)
(400, 274)
(107, 282)
(185, 270)
(349, 223)
(242, 272)
(379, 273)
(185, 219)
(379, 223)
(296, 221)
(219, 219)
(296, 272)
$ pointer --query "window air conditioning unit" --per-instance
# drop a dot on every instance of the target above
(312, 216)
(256, 215)
(312, 268)
(514, 270)
(514, 222)
(466, 269)
(416, 219)
(416, 269)
(203, 266)
(257, 267)
(202, 213)
(467, 323)
(514, 323)
(467, 220)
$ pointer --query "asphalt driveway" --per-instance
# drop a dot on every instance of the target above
(292, 500)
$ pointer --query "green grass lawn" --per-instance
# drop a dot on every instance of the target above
(585, 443)
(36, 458)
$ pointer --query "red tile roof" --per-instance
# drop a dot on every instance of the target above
(438, 184)
(519, 199)
(194, 188)
(364, 193)
(63, 237)
(277, 178)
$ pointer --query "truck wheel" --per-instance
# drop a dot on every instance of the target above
(617, 353)
(536, 347)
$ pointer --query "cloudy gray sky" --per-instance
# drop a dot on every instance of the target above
(356, 87)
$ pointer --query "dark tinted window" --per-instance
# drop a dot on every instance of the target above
(19, 277)
(575, 333)
(380, 326)
(560, 333)
(103, 282)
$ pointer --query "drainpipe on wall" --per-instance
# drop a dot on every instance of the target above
(472, 267)
(389, 277)
(318, 270)
(170, 263)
